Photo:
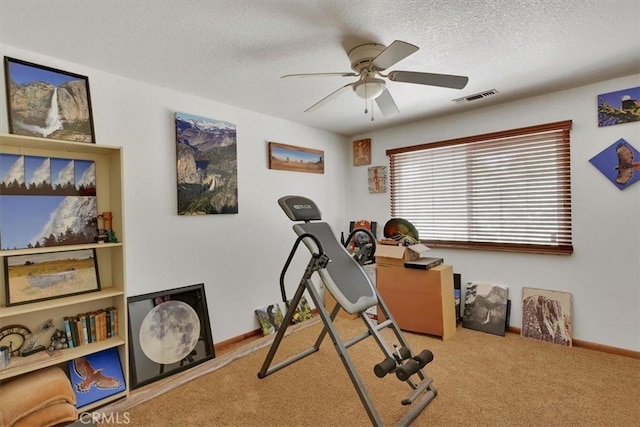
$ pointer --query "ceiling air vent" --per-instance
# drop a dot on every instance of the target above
(477, 96)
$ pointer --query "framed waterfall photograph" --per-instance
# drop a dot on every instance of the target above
(48, 103)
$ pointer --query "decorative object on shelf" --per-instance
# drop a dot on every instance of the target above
(31, 345)
(617, 107)
(43, 276)
(58, 195)
(620, 163)
(270, 318)
(377, 179)
(362, 152)
(169, 332)
(402, 231)
(207, 169)
(48, 103)
(14, 336)
(546, 316)
(106, 233)
(59, 340)
(296, 159)
(485, 308)
(96, 376)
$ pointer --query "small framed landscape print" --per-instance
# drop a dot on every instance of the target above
(169, 332)
(48, 103)
(43, 276)
(297, 159)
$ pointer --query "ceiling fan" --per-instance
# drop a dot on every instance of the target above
(368, 61)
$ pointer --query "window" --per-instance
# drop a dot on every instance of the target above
(508, 190)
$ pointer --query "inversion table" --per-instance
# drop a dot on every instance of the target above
(348, 283)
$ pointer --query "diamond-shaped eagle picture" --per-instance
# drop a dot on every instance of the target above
(620, 162)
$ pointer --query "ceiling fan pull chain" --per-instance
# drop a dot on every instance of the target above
(371, 110)
(365, 99)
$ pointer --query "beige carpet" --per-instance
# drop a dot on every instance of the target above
(482, 380)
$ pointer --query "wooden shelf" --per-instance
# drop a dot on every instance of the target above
(60, 302)
(43, 359)
(48, 249)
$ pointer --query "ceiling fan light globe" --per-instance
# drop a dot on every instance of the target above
(369, 89)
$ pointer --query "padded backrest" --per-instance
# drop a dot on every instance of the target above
(343, 277)
(299, 208)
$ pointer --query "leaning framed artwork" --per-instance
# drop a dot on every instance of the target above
(48, 103)
(547, 316)
(169, 332)
(96, 376)
(44, 276)
(295, 159)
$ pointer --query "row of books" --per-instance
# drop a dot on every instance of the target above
(91, 327)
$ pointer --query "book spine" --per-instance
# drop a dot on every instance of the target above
(79, 329)
(103, 324)
(67, 328)
(92, 327)
(85, 328)
(108, 322)
(116, 324)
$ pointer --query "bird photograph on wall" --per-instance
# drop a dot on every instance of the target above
(620, 162)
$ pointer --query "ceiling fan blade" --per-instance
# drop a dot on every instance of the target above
(387, 105)
(395, 52)
(345, 74)
(442, 80)
(328, 98)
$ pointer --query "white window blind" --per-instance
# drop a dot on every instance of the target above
(508, 190)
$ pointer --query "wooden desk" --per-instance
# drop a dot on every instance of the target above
(420, 300)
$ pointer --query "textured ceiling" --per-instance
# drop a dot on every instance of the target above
(234, 51)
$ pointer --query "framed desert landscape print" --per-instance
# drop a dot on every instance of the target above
(296, 159)
(48, 103)
(43, 276)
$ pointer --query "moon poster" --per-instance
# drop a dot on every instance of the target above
(169, 332)
(96, 376)
(620, 163)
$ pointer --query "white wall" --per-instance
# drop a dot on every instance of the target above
(238, 257)
(603, 274)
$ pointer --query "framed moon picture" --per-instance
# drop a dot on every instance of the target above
(169, 332)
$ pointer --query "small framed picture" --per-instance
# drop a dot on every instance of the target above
(43, 276)
(48, 103)
(377, 178)
(362, 152)
(96, 376)
(296, 159)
